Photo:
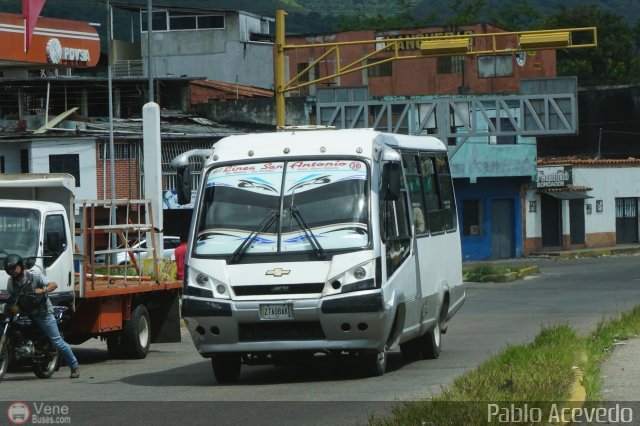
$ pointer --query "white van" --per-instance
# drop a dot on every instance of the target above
(333, 241)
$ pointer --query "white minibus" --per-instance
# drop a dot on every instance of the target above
(320, 242)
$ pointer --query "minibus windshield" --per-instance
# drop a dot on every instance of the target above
(319, 205)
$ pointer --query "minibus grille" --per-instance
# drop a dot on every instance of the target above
(264, 290)
(280, 330)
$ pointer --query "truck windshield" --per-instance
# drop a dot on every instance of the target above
(19, 231)
(329, 195)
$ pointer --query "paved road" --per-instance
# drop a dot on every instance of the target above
(579, 292)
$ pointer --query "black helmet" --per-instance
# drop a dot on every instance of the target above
(11, 261)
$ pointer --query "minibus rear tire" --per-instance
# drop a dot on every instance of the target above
(431, 343)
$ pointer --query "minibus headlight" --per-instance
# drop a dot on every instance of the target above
(205, 281)
(359, 273)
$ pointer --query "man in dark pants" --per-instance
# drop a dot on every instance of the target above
(38, 283)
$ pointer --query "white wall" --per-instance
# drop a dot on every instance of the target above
(11, 154)
(533, 219)
(608, 184)
(85, 148)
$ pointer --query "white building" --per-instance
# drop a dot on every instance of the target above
(582, 203)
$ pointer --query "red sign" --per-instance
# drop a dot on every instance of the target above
(57, 42)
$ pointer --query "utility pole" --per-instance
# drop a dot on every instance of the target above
(112, 165)
(149, 61)
(280, 61)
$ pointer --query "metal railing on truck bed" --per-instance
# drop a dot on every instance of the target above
(106, 269)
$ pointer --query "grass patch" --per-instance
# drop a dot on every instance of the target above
(543, 370)
(539, 371)
(483, 273)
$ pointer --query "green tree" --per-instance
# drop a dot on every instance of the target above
(364, 21)
(466, 12)
(613, 61)
(517, 15)
(636, 35)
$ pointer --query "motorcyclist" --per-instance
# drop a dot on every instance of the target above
(19, 279)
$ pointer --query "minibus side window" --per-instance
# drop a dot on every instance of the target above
(446, 191)
(396, 231)
(432, 196)
(410, 162)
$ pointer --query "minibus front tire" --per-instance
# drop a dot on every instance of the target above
(410, 350)
(375, 363)
(226, 366)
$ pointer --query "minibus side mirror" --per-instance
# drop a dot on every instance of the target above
(183, 185)
(391, 176)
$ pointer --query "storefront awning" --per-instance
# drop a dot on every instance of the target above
(568, 195)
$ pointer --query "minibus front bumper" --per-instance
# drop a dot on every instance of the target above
(344, 322)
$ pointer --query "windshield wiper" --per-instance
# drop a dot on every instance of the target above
(313, 241)
(244, 246)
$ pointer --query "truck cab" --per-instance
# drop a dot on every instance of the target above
(35, 222)
(38, 229)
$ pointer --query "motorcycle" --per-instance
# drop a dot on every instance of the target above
(23, 342)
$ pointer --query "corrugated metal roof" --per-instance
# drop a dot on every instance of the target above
(589, 162)
(569, 188)
(247, 91)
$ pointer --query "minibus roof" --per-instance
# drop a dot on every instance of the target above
(344, 142)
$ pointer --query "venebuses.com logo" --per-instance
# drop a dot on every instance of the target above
(18, 413)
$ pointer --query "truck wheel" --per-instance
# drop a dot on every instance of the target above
(136, 337)
(48, 365)
(226, 367)
(4, 360)
(375, 363)
(430, 343)
(114, 345)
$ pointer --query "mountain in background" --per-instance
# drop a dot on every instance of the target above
(310, 16)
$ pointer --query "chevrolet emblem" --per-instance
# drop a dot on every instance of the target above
(278, 272)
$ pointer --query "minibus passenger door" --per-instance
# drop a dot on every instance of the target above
(396, 234)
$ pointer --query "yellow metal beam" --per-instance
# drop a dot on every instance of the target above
(388, 50)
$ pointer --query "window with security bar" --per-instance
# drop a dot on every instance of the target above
(384, 69)
(66, 163)
(450, 64)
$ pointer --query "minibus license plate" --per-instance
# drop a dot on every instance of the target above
(275, 312)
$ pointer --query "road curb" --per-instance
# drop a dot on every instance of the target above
(578, 392)
(528, 271)
(563, 255)
(511, 276)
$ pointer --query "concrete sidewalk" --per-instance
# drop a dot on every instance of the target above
(621, 372)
